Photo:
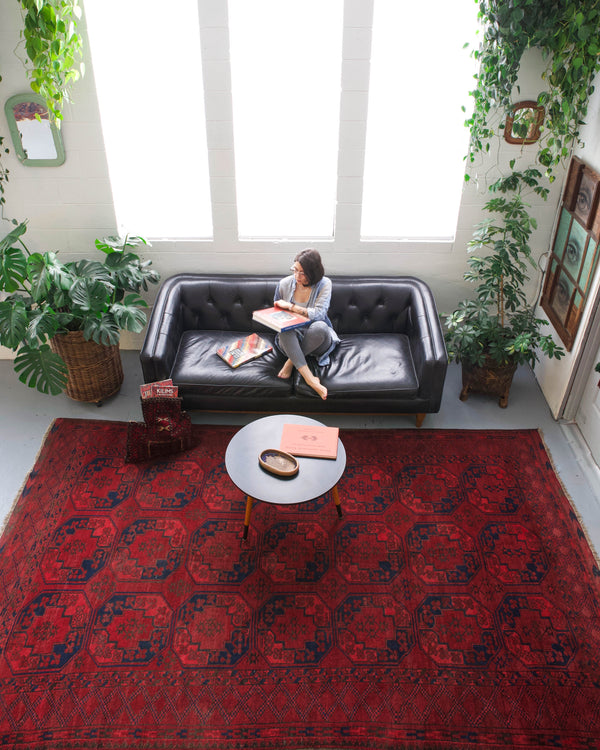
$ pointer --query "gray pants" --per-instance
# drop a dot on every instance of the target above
(314, 339)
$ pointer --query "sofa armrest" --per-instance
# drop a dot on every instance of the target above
(163, 333)
(427, 345)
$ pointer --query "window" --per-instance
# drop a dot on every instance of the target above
(148, 71)
(285, 60)
(416, 138)
(286, 70)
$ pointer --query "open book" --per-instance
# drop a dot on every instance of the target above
(279, 319)
(243, 350)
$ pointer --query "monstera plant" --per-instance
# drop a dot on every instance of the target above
(43, 301)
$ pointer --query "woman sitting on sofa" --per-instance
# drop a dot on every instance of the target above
(306, 292)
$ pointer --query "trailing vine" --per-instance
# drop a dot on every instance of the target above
(54, 49)
(3, 170)
(566, 32)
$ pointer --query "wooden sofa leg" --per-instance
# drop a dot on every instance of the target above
(419, 419)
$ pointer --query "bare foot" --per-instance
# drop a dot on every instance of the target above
(286, 370)
(316, 385)
(313, 381)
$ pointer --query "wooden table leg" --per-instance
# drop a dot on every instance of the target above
(247, 517)
(336, 500)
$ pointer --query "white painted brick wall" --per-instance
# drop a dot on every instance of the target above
(69, 206)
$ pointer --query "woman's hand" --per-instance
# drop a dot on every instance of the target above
(283, 304)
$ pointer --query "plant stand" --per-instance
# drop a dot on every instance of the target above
(491, 379)
(95, 370)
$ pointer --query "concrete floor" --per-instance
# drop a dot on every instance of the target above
(25, 416)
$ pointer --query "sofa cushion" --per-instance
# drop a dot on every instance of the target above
(369, 366)
(199, 367)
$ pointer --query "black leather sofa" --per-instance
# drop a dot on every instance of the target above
(391, 359)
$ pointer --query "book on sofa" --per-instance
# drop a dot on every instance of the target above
(279, 319)
(243, 350)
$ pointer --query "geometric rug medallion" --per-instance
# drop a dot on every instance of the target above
(456, 604)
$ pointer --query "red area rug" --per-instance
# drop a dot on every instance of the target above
(455, 605)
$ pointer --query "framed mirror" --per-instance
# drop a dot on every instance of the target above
(37, 140)
(523, 125)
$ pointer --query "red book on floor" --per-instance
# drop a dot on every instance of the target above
(315, 441)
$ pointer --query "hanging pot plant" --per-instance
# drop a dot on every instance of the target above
(566, 33)
(64, 320)
(53, 47)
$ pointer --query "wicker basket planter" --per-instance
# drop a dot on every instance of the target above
(492, 379)
(95, 371)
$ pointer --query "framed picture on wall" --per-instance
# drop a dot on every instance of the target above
(572, 262)
(586, 201)
(572, 183)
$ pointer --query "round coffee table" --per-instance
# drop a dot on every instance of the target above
(315, 476)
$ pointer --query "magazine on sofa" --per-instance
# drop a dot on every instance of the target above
(243, 350)
(279, 319)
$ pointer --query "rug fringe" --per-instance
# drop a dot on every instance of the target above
(574, 508)
(8, 515)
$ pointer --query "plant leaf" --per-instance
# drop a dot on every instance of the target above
(13, 269)
(90, 295)
(13, 322)
(127, 314)
(41, 368)
(102, 330)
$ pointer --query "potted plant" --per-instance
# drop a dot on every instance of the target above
(54, 49)
(64, 320)
(497, 330)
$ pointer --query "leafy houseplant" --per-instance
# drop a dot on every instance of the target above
(45, 300)
(54, 49)
(566, 32)
(493, 333)
(498, 330)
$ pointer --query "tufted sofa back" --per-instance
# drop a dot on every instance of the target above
(358, 305)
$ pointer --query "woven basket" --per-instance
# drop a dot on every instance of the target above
(95, 371)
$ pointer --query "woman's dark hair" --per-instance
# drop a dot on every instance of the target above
(311, 263)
